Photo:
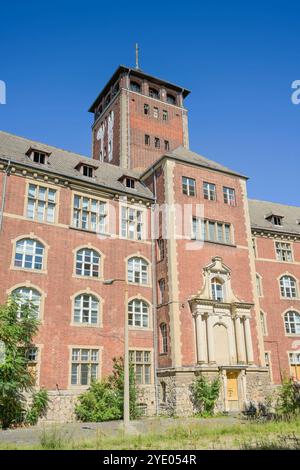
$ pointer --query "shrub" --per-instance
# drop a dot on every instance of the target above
(288, 402)
(103, 401)
(39, 406)
(205, 394)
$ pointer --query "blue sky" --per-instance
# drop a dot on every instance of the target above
(238, 59)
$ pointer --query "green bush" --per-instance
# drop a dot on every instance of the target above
(103, 401)
(288, 402)
(205, 394)
(39, 406)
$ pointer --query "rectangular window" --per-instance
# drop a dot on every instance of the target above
(294, 359)
(147, 139)
(32, 364)
(39, 157)
(87, 171)
(161, 249)
(141, 361)
(209, 191)
(85, 366)
(155, 112)
(132, 223)
(165, 115)
(188, 186)
(167, 145)
(284, 251)
(146, 108)
(263, 323)
(157, 143)
(212, 231)
(41, 203)
(229, 196)
(254, 247)
(258, 285)
(89, 214)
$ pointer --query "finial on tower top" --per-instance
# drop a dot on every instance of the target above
(137, 56)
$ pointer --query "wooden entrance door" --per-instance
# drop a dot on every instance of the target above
(232, 392)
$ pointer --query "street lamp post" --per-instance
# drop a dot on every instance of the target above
(126, 404)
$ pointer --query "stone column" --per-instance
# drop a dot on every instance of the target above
(210, 340)
(248, 341)
(200, 338)
(239, 335)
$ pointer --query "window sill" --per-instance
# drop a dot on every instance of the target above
(139, 328)
(138, 284)
(88, 278)
(87, 325)
(231, 245)
(89, 231)
(29, 270)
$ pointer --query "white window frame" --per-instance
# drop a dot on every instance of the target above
(288, 287)
(27, 249)
(93, 263)
(39, 201)
(188, 186)
(164, 338)
(89, 213)
(142, 364)
(292, 322)
(132, 223)
(229, 196)
(84, 310)
(209, 191)
(32, 297)
(217, 289)
(84, 356)
(284, 252)
(138, 271)
(138, 313)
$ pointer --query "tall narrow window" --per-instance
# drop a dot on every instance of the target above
(141, 361)
(28, 297)
(167, 145)
(138, 313)
(157, 143)
(188, 186)
(288, 287)
(41, 203)
(89, 214)
(217, 290)
(147, 139)
(258, 285)
(155, 112)
(263, 323)
(146, 109)
(294, 360)
(165, 115)
(161, 291)
(85, 365)
(209, 191)
(229, 196)
(138, 271)
(161, 249)
(164, 338)
(29, 254)
(87, 263)
(86, 309)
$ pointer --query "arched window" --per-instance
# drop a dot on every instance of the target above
(29, 254)
(217, 289)
(87, 263)
(86, 309)
(171, 99)
(26, 296)
(138, 271)
(135, 86)
(288, 287)
(138, 313)
(164, 338)
(292, 323)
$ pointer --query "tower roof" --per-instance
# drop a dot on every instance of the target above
(139, 74)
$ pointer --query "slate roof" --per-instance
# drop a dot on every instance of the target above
(63, 162)
(184, 155)
(260, 209)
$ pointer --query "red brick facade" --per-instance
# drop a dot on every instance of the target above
(199, 326)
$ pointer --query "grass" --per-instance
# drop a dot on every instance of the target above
(243, 435)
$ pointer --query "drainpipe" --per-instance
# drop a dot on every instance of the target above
(4, 193)
(154, 298)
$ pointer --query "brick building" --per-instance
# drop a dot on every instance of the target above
(207, 278)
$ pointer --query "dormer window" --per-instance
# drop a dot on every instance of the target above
(87, 171)
(130, 183)
(275, 219)
(37, 156)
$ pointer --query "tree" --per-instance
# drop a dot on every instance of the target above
(104, 400)
(205, 394)
(18, 326)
